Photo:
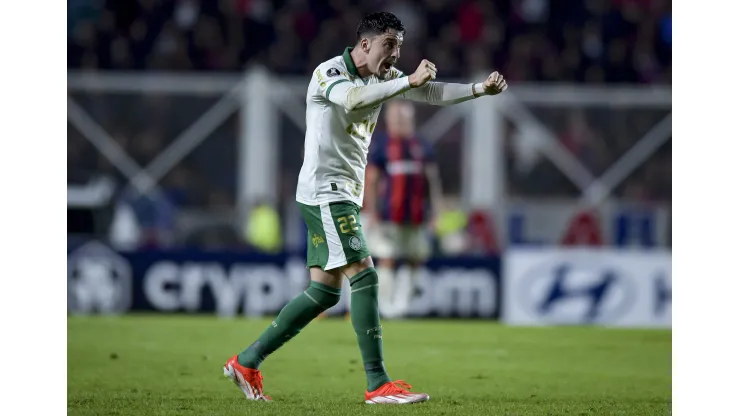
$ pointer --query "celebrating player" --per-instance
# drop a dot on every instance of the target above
(343, 103)
(401, 179)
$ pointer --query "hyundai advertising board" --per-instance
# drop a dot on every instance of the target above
(571, 286)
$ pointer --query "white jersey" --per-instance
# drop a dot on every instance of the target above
(337, 139)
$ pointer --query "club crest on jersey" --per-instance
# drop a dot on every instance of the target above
(332, 72)
(355, 243)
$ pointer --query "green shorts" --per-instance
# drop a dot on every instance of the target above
(335, 236)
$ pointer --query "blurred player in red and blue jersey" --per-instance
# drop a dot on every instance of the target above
(403, 193)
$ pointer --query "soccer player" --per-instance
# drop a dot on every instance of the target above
(402, 179)
(342, 106)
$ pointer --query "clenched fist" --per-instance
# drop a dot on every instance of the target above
(426, 72)
(494, 84)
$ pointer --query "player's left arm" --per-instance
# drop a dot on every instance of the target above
(435, 188)
(445, 93)
(434, 179)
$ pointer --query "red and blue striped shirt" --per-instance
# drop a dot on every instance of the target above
(403, 197)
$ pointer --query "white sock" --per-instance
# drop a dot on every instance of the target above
(405, 289)
(386, 289)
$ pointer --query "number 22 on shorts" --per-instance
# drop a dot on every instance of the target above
(348, 224)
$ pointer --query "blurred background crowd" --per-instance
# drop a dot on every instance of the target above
(594, 42)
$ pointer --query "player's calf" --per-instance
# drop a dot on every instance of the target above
(298, 313)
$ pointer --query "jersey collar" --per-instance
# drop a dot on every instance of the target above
(348, 62)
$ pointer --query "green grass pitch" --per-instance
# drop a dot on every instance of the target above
(171, 365)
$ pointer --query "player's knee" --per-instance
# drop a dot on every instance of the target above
(325, 296)
(357, 267)
(332, 278)
(367, 277)
(387, 263)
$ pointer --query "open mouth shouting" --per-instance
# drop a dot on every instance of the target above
(385, 67)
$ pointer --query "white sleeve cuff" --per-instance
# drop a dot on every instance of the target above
(478, 88)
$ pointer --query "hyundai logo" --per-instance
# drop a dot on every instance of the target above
(577, 292)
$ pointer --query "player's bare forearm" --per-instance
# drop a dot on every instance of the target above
(435, 188)
(371, 190)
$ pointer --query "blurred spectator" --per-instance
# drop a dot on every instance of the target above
(582, 141)
(263, 231)
(666, 30)
(150, 219)
(124, 233)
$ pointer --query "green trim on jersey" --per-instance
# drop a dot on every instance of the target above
(351, 67)
(328, 90)
(335, 236)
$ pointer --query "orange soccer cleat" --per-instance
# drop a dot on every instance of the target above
(248, 380)
(394, 392)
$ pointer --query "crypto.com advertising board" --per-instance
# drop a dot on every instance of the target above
(227, 284)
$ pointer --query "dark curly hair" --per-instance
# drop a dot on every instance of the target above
(378, 23)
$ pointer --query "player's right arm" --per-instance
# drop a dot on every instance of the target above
(431, 169)
(335, 86)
